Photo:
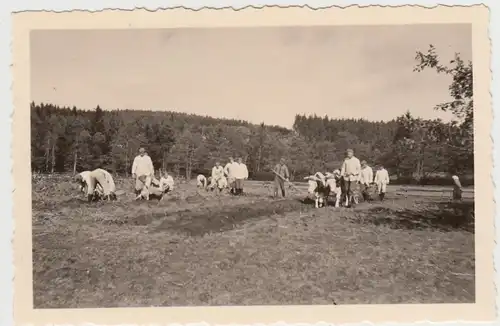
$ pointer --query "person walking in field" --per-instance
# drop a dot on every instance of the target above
(381, 180)
(229, 173)
(142, 172)
(365, 180)
(98, 182)
(457, 188)
(281, 175)
(240, 175)
(350, 171)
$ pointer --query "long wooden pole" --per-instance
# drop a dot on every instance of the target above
(284, 179)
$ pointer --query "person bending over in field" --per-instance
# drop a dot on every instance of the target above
(350, 171)
(97, 184)
(201, 181)
(142, 172)
(381, 180)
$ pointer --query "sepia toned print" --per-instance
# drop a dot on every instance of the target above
(279, 166)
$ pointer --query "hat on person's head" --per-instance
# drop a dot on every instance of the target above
(142, 150)
(349, 150)
(363, 162)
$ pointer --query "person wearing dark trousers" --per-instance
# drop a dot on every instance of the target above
(241, 174)
(365, 180)
(281, 175)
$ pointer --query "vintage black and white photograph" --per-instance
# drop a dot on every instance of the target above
(253, 166)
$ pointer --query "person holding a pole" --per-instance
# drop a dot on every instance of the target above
(281, 175)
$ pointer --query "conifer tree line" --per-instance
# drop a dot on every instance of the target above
(72, 140)
(414, 150)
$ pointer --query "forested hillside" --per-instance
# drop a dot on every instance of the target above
(72, 140)
(64, 139)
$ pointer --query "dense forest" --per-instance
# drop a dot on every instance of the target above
(415, 150)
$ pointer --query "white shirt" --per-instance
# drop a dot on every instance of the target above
(108, 177)
(351, 168)
(167, 183)
(88, 175)
(240, 171)
(366, 175)
(143, 166)
(217, 172)
(382, 177)
(86, 179)
(85, 176)
(229, 169)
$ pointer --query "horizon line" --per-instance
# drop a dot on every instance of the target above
(235, 118)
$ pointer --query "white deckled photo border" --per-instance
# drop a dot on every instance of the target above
(16, 30)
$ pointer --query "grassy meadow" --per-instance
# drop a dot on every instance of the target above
(197, 248)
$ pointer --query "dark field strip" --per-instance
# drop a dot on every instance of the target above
(212, 219)
(220, 219)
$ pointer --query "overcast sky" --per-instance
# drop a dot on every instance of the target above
(258, 74)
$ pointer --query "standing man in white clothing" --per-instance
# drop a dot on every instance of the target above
(365, 180)
(241, 174)
(142, 172)
(229, 173)
(350, 171)
(381, 180)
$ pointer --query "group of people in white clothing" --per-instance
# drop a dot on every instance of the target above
(366, 179)
(231, 176)
(355, 172)
(99, 183)
(146, 184)
(236, 173)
